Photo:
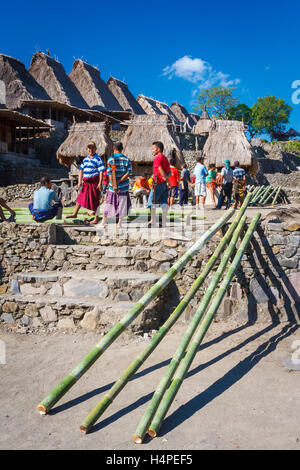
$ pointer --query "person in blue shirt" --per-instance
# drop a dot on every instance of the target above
(45, 203)
(90, 177)
(117, 203)
(200, 172)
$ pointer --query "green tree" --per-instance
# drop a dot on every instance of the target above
(270, 114)
(243, 112)
(217, 100)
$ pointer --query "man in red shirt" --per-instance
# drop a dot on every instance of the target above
(173, 182)
(159, 191)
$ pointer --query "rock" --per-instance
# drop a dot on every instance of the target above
(141, 253)
(48, 314)
(170, 243)
(276, 249)
(36, 323)
(49, 253)
(122, 296)
(56, 290)
(290, 251)
(141, 266)
(31, 311)
(161, 256)
(15, 287)
(66, 323)
(59, 255)
(164, 267)
(90, 320)
(10, 307)
(77, 313)
(294, 240)
(236, 292)
(277, 240)
(26, 321)
(121, 252)
(82, 288)
(7, 317)
(28, 289)
(3, 288)
(293, 227)
(288, 262)
(259, 292)
(115, 261)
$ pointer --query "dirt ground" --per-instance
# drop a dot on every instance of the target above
(237, 395)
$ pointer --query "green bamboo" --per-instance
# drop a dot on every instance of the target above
(276, 196)
(257, 195)
(119, 327)
(269, 197)
(154, 403)
(254, 192)
(136, 363)
(264, 195)
(187, 361)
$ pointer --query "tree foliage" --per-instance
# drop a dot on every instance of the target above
(217, 101)
(270, 114)
(243, 112)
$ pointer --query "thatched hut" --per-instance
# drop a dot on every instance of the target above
(142, 131)
(123, 95)
(51, 75)
(19, 84)
(149, 105)
(195, 117)
(182, 115)
(227, 140)
(165, 109)
(73, 149)
(203, 124)
(96, 93)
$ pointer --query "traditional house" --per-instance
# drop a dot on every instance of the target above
(142, 131)
(227, 140)
(18, 136)
(124, 97)
(203, 124)
(183, 116)
(19, 84)
(149, 105)
(51, 75)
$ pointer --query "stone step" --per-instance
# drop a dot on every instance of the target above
(117, 285)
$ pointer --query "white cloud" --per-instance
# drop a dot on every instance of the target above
(198, 71)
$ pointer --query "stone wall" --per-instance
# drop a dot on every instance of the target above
(266, 286)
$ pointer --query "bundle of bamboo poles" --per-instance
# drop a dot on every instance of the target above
(263, 195)
(230, 236)
(182, 360)
(60, 390)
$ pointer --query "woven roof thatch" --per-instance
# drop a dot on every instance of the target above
(20, 85)
(143, 131)
(123, 95)
(94, 90)
(51, 75)
(182, 115)
(80, 135)
(165, 109)
(21, 119)
(204, 123)
(149, 105)
(227, 140)
(195, 117)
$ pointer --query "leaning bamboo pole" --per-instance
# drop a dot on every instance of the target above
(108, 398)
(188, 359)
(276, 196)
(257, 195)
(264, 195)
(154, 403)
(270, 195)
(119, 327)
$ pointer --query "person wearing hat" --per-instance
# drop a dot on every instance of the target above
(226, 179)
(239, 184)
(90, 177)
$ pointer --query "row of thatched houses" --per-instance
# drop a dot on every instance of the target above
(82, 103)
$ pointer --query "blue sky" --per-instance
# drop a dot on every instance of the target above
(167, 49)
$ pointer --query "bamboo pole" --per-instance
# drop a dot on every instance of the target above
(188, 359)
(269, 197)
(167, 377)
(108, 398)
(119, 327)
(264, 195)
(276, 196)
(257, 195)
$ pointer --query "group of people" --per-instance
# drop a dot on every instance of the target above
(110, 186)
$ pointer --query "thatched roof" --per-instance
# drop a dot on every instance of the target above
(51, 75)
(227, 140)
(204, 123)
(143, 131)
(195, 117)
(123, 95)
(94, 90)
(182, 115)
(80, 135)
(20, 85)
(149, 105)
(165, 109)
(20, 119)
